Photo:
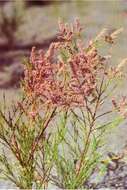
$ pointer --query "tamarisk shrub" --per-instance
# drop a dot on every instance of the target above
(55, 133)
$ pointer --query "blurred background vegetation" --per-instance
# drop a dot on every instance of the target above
(25, 23)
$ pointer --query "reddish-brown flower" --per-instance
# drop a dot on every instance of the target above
(121, 106)
(66, 74)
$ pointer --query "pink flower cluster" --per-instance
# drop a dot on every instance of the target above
(66, 74)
(121, 107)
(67, 32)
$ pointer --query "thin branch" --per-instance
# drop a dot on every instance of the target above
(105, 113)
(38, 138)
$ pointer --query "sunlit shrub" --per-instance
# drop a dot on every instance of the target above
(55, 134)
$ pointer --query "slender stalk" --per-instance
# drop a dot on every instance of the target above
(91, 127)
(38, 138)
